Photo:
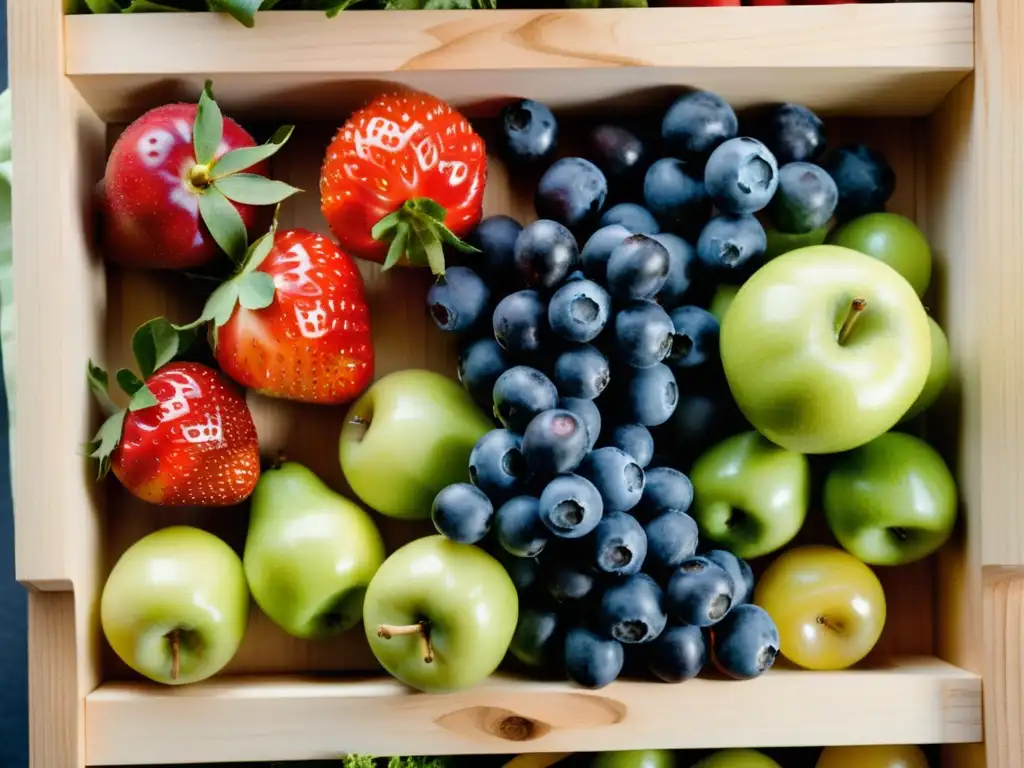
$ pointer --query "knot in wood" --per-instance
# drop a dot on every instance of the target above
(515, 728)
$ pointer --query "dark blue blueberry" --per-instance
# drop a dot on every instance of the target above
(864, 178)
(520, 393)
(745, 643)
(730, 243)
(570, 506)
(496, 464)
(678, 199)
(589, 412)
(546, 252)
(524, 571)
(702, 419)
(458, 299)
(495, 238)
(572, 192)
(518, 322)
(617, 151)
(741, 176)
(579, 310)
(529, 132)
(634, 439)
(555, 443)
(633, 610)
(536, 641)
(480, 364)
(671, 538)
(678, 654)
(463, 513)
(643, 334)
(567, 579)
(665, 489)
(518, 527)
(616, 475)
(576, 274)
(637, 268)
(738, 570)
(633, 217)
(620, 544)
(806, 199)
(592, 660)
(582, 371)
(699, 593)
(695, 340)
(681, 257)
(793, 133)
(598, 249)
(696, 123)
(651, 395)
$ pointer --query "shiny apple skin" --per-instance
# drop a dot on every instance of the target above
(883, 756)
(828, 605)
(938, 373)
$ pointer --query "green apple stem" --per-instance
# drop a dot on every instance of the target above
(829, 624)
(857, 306)
(175, 637)
(387, 631)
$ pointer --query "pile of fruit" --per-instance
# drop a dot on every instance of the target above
(645, 374)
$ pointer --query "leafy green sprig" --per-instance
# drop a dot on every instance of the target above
(243, 10)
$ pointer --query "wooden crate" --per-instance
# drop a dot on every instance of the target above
(937, 85)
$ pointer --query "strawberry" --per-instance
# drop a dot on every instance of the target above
(186, 438)
(174, 190)
(402, 176)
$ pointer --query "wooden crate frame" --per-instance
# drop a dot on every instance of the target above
(954, 71)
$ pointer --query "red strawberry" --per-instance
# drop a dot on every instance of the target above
(187, 437)
(173, 191)
(403, 175)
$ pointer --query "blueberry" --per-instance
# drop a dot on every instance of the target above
(496, 464)
(589, 412)
(518, 527)
(745, 643)
(633, 611)
(555, 443)
(620, 544)
(637, 268)
(463, 513)
(665, 489)
(681, 257)
(579, 310)
(570, 506)
(572, 192)
(524, 571)
(864, 178)
(598, 249)
(458, 299)
(738, 570)
(696, 123)
(480, 364)
(741, 176)
(545, 254)
(702, 419)
(699, 592)
(495, 238)
(676, 197)
(643, 334)
(651, 395)
(671, 538)
(617, 151)
(793, 133)
(633, 217)
(536, 642)
(520, 393)
(581, 371)
(695, 340)
(806, 199)
(677, 654)
(617, 477)
(567, 580)
(518, 322)
(729, 243)
(591, 660)
(529, 132)
(634, 439)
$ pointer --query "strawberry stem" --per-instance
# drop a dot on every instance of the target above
(199, 176)
(417, 232)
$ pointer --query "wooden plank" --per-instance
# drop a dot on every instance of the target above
(56, 733)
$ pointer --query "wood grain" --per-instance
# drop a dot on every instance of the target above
(56, 710)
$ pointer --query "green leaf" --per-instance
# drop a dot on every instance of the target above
(99, 383)
(252, 189)
(259, 251)
(221, 304)
(209, 127)
(148, 6)
(239, 159)
(103, 6)
(224, 222)
(432, 245)
(331, 7)
(385, 225)
(129, 382)
(143, 398)
(243, 10)
(106, 440)
(156, 343)
(426, 207)
(397, 249)
(453, 240)
(256, 290)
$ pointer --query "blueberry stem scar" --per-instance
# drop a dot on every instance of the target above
(857, 307)
(387, 631)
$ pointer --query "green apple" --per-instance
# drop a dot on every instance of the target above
(892, 501)
(825, 348)
(406, 438)
(720, 302)
(749, 495)
(176, 605)
(440, 615)
(891, 238)
(782, 242)
(938, 373)
(310, 553)
(737, 758)
(636, 758)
